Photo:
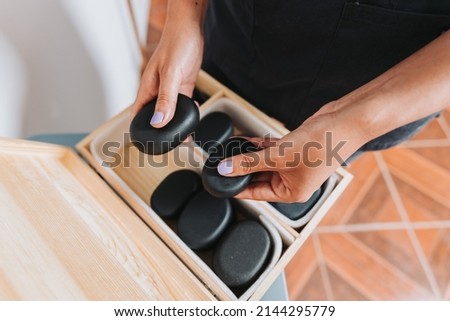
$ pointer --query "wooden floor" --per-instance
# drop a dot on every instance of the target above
(388, 236)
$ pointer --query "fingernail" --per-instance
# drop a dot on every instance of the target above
(157, 118)
(225, 167)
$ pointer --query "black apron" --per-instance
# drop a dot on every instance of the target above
(291, 57)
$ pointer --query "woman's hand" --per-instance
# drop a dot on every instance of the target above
(292, 168)
(174, 65)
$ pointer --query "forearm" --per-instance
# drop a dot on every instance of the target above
(175, 63)
(186, 13)
(413, 89)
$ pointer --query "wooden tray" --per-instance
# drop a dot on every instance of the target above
(134, 177)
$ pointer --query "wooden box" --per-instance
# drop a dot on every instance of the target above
(72, 234)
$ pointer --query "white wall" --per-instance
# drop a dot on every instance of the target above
(66, 65)
(13, 87)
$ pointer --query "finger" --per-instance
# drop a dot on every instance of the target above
(248, 163)
(262, 177)
(187, 88)
(271, 191)
(169, 87)
(188, 140)
(258, 191)
(148, 89)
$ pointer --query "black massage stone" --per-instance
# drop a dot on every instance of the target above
(174, 192)
(203, 221)
(213, 129)
(156, 141)
(221, 186)
(242, 254)
(295, 211)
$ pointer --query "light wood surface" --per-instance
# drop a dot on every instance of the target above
(66, 235)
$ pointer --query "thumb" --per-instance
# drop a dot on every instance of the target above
(247, 163)
(166, 102)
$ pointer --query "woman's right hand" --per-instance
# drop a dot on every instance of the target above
(172, 69)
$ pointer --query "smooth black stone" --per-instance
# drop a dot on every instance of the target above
(295, 211)
(221, 186)
(156, 141)
(203, 221)
(242, 254)
(174, 192)
(213, 129)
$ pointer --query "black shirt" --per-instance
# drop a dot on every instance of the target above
(290, 57)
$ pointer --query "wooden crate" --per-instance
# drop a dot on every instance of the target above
(136, 176)
(65, 235)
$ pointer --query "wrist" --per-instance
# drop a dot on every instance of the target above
(370, 111)
(333, 138)
(186, 14)
(345, 121)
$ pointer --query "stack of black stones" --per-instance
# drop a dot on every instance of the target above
(201, 209)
